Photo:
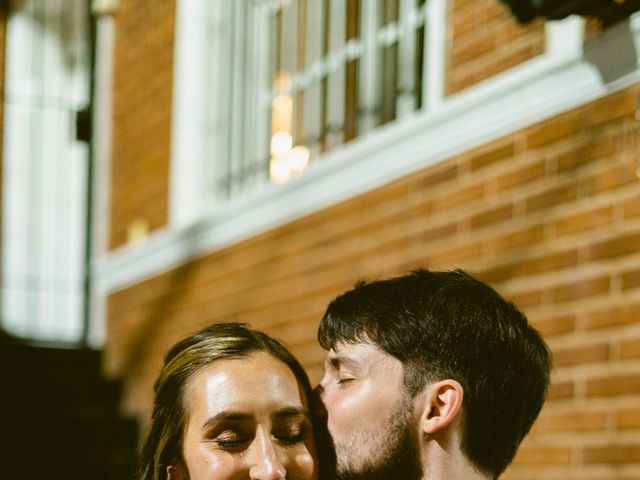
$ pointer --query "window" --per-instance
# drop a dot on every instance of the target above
(45, 170)
(291, 80)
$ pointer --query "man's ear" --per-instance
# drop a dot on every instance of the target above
(442, 403)
(177, 471)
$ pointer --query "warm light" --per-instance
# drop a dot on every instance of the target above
(137, 230)
(281, 144)
(298, 158)
(279, 170)
(282, 83)
(282, 113)
(286, 160)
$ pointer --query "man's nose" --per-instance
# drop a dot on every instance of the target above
(317, 406)
(265, 462)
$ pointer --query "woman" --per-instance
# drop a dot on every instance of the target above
(230, 403)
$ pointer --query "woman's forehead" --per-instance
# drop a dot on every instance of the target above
(258, 381)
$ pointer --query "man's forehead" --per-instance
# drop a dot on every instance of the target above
(355, 353)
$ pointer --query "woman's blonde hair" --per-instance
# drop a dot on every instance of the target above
(217, 342)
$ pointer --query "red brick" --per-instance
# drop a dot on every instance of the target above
(630, 349)
(496, 154)
(543, 455)
(630, 279)
(613, 107)
(614, 385)
(601, 146)
(495, 215)
(486, 41)
(554, 325)
(545, 263)
(551, 198)
(612, 454)
(561, 391)
(463, 24)
(526, 299)
(463, 5)
(468, 194)
(521, 176)
(460, 81)
(496, 274)
(480, 45)
(455, 255)
(557, 129)
(439, 175)
(572, 421)
(617, 175)
(588, 220)
(580, 354)
(632, 207)
(509, 59)
(616, 247)
(629, 418)
(143, 66)
(581, 288)
(613, 316)
(440, 232)
(515, 240)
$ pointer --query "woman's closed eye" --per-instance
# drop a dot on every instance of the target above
(290, 435)
(232, 441)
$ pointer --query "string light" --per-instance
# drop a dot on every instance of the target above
(298, 158)
(287, 160)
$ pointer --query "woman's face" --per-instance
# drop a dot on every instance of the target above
(247, 418)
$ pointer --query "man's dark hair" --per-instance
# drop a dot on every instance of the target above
(451, 325)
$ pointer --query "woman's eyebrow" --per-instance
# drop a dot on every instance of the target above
(292, 412)
(227, 416)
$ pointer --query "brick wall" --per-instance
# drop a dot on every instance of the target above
(484, 40)
(549, 215)
(141, 115)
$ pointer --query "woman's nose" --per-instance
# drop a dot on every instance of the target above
(265, 464)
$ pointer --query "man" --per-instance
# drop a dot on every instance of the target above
(431, 375)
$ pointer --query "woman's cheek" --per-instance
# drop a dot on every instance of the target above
(306, 465)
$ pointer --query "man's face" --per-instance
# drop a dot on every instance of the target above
(371, 418)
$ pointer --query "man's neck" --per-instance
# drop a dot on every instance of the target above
(451, 472)
(444, 464)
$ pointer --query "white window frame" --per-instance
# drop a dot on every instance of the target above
(191, 198)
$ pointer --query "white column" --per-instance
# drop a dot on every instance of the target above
(102, 137)
(433, 77)
(564, 36)
(312, 94)
(369, 77)
(187, 193)
(336, 78)
(405, 103)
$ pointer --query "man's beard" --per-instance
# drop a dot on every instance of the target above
(391, 454)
